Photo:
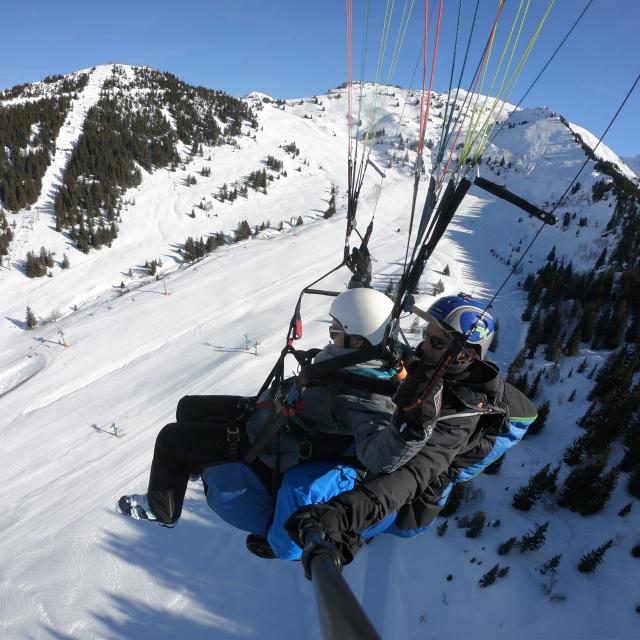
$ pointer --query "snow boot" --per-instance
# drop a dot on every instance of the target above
(136, 506)
(259, 546)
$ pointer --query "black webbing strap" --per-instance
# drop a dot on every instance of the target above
(277, 373)
(504, 194)
(233, 438)
(353, 381)
(267, 435)
(446, 211)
(449, 203)
(349, 359)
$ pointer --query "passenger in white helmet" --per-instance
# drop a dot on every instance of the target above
(330, 417)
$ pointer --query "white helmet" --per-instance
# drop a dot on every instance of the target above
(363, 312)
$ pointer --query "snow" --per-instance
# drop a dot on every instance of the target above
(15, 373)
(33, 229)
(603, 151)
(73, 568)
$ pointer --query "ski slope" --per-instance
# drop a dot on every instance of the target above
(74, 568)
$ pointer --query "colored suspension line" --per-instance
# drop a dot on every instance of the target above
(446, 136)
(375, 106)
(433, 68)
(472, 139)
(445, 118)
(418, 165)
(481, 65)
(475, 116)
(363, 56)
(546, 64)
(564, 195)
(504, 94)
(435, 186)
(424, 120)
(364, 157)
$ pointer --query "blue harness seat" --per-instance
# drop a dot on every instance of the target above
(236, 494)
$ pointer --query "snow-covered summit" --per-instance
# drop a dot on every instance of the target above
(257, 95)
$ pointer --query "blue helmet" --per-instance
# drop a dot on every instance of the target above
(463, 314)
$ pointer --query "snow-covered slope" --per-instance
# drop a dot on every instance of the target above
(33, 225)
(73, 568)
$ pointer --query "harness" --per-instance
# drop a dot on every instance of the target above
(287, 402)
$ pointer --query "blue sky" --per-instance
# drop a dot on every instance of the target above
(289, 48)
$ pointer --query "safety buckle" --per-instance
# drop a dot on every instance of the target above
(233, 434)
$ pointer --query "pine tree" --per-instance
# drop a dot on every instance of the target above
(534, 539)
(539, 483)
(554, 350)
(625, 510)
(442, 528)
(446, 271)
(541, 420)
(573, 453)
(633, 485)
(493, 347)
(587, 489)
(573, 344)
(476, 524)
(593, 558)
(533, 390)
(550, 566)
(495, 466)
(31, 319)
(516, 365)
(454, 500)
(506, 546)
(522, 383)
(631, 442)
(65, 262)
(524, 498)
(243, 231)
(331, 209)
(491, 575)
(601, 258)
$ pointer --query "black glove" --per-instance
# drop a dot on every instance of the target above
(322, 517)
(417, 424)
(361, 266)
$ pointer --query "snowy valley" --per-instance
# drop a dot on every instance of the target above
(118, 343)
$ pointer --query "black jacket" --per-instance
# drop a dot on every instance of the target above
(464, 434)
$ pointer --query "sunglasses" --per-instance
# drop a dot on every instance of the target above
(334, 331)
(435, 341)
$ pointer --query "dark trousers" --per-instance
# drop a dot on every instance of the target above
(197, 439)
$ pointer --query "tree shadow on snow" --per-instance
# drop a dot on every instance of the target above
(228, 349)
(21, 324)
